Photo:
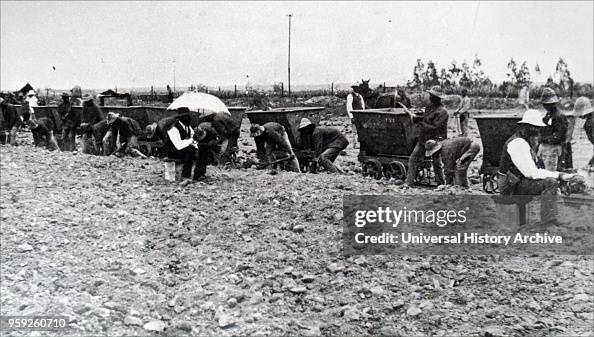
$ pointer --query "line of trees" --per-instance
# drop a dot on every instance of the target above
(471, 76)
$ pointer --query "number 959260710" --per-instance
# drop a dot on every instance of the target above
(31, 323)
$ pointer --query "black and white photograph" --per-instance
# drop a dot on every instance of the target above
(296, 168)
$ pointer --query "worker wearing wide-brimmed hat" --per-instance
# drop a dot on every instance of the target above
(71, 121)
(457, 154)
(327, 143)
(554, 133)
(272, 137)
(125, 129)
(33, 101)
(518, 173)
(432, 125)
(583, 109)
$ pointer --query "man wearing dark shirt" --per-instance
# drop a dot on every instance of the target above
(432, 125)
(227, 131)
(128, 131)
(270, 137)
(554, 133)
(457, 154)
(71, 120)
(327, 143)
(43, 134)
(10, 121)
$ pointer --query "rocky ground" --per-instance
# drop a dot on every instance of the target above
(110, 244)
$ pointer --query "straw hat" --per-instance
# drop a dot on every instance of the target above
(436, 91)
(305, 122)
(431, 147)
(256, 130)
(549, 96)
(532, 117)
(582, 107)
(111, 117)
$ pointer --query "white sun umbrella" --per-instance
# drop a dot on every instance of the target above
(200, 102)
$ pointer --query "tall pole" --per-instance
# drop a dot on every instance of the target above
(289, 61)
(174, 75)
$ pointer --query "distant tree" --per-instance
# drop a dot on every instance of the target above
(519, 76)
(430, 77)
(565, 80)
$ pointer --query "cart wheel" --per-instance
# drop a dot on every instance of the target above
(395, 170)
(372, 168)
(490, 184)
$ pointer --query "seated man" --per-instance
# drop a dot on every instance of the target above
(270, 137)
(227, 131)
(327, 143)
(518, 173)
(128, 131)
(43, 134)
(179, 143)
(457, 154)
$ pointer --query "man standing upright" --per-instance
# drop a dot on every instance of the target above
(554, 133)
(432, 125)
(464, 113)
(71, 120)
(354, 101)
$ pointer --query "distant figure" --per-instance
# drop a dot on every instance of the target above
(33, 102)
(432, 125)
(272, 137)
(457, 155)
(71, 120)
(169, 94)
(354, 101)
(524, 97)
(554, 133)
(43, 134)
(10, 121)
(327, 143)
(583, 109)
(400, 98)
(464, 113)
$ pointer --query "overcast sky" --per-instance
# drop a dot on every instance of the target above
(132, 44)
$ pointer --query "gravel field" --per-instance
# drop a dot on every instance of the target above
(110, 244)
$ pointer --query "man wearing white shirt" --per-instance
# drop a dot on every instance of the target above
(180, 143)
(464, 112)
(354, 101)
(518, 173)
